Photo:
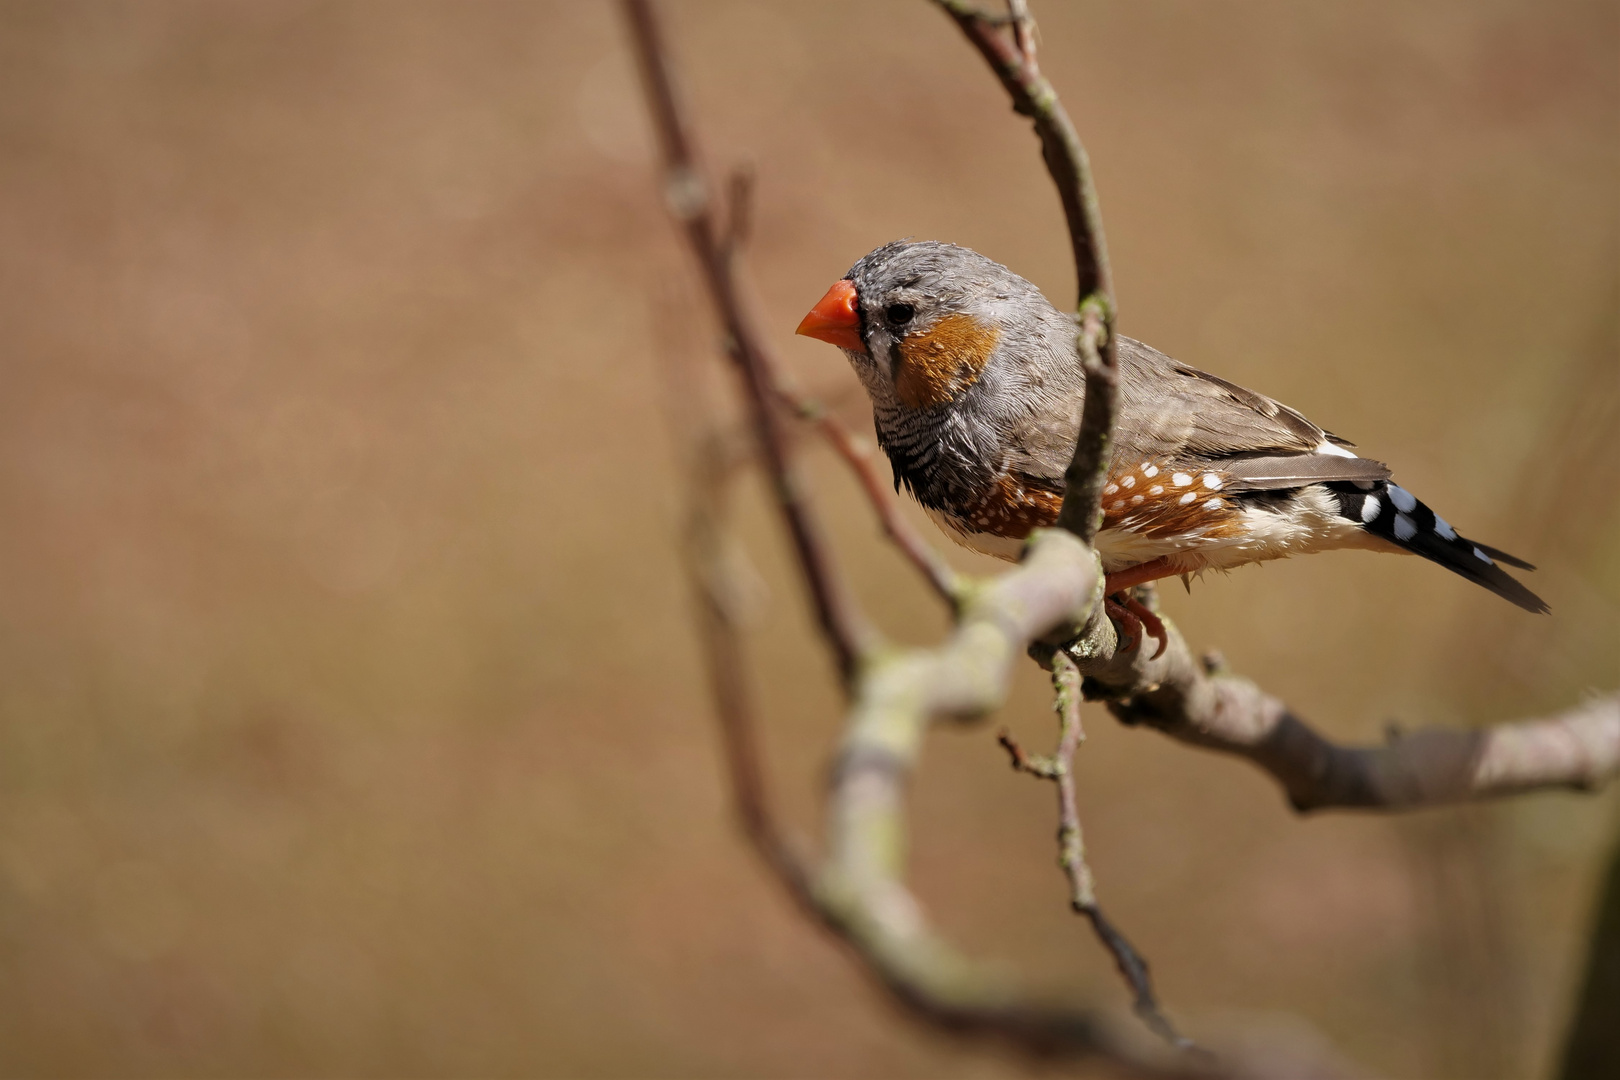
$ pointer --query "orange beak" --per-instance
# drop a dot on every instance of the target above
(834, 318)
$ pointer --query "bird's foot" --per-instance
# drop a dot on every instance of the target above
(1132, 619)
(1128, 626)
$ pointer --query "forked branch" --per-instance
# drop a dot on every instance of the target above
(859, 890)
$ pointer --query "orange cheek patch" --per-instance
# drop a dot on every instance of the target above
(940, 363)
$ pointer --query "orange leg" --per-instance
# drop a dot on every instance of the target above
(1129, 613)
(1132, 576)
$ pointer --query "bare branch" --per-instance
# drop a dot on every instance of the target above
(859, 892)
(897, 699)
(1012, 58)
(710, 457)
(857, 454)
(1087, 474)
(687, 189)
(728, 677)
(739, 208)
(1023, 31)
(897, 695)
(1202, 705)
(1072, 848)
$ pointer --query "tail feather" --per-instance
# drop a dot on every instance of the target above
(1501, 556)
(1392, 513)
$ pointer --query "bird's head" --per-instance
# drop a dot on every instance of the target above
(922, 322)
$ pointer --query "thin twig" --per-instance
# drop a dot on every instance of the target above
(1023, 30)
(687, 189)
(1012, 58)
(1066, 703)
(728, 678)
(857, 454)
(708, 451)
(734, 441)
(1059, 768)
(739, 208)
(1061, 148)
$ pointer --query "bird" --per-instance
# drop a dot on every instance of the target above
(976, 391)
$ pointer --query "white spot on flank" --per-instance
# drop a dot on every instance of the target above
(1313, 520)
(1110, 489)
(1445, 530)
(1405, 527)
(1119, 504)
(1329, 447)
(1212, 481)
(1404, 500)
(1213, 504)
(1128, 482)
(1187, 498)
(1136, 500)
(1149, 471)
(1181, 479)
(1486, 559)
(1369, 508)
(1155, 490)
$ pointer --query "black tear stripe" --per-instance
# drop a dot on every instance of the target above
(1457, 554)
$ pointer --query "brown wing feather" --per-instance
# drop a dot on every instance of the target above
(1272, 473)
(1171, 410)
(1172, 413)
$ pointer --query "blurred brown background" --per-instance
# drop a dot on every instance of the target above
(350, 718)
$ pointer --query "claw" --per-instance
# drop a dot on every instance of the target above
(1155, 628)
(1133, 621)
(1128, 625)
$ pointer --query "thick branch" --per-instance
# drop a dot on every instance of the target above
(1200, 704)
(897, 699)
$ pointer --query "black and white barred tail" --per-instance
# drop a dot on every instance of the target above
(1392, 513)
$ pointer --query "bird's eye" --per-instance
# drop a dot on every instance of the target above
(899, 314)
